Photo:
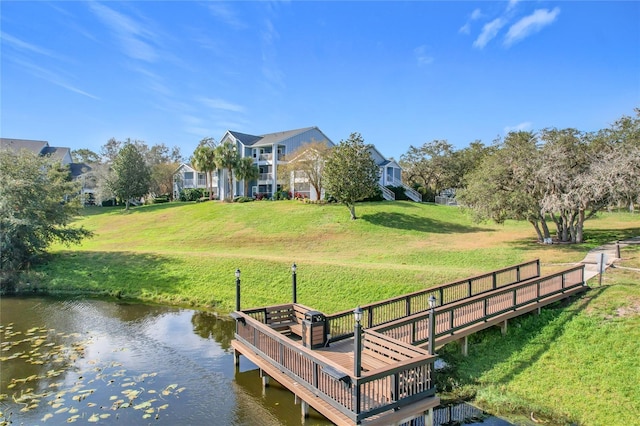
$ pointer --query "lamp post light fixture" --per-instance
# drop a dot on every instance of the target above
(432, 325)
(357, 342)
(237, 289)
(294, 283)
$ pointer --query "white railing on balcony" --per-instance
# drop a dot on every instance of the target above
(265, 176)
(265, 157)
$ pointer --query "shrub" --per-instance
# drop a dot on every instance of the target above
(261, 196)
(193, 194)
(282, 195)
(241, 199)
(399, 192)
(377, 197)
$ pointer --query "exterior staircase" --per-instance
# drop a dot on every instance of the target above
(410, 192)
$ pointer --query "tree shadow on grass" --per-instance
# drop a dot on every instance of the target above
(592, 238)
(418, 223)
(120, 274)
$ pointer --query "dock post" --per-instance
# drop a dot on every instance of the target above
(265, 379)
(236, 358)
(464, 344)
(357, 342)
(432, 325)
(305, 409)
(428, 421)
(294, 283)
(503, 327)
(237, 289)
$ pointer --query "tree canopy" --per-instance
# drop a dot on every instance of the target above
(226, 158)
(204, 159)
(351, 174)
(246, 171)
(307, 163)
(131, 174)
(565, 176)
(38, 201)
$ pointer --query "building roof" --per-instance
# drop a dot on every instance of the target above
(55, 152)
(246, 139)
(268, 138)
(19, 144)
(78, 169)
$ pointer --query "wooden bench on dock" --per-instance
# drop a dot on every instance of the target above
(286, 318)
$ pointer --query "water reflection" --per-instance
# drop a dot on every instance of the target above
(125, 363)
(176, 361)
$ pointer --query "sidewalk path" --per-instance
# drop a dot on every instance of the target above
(610, 251)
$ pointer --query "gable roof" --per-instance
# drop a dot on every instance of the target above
(55, 152)
(268, 138)
(19, 144)
(78, 169)
(246, 139)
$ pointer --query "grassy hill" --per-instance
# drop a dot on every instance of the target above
(575, 363)
(187, 253)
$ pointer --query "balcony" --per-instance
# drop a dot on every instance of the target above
(265, 177)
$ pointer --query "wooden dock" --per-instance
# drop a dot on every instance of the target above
(378, 369)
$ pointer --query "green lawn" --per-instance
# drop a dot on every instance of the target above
(574, 363)
(187, 253)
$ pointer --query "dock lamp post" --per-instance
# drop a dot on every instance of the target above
(432, 325)
(237, 289)
(357, 342)
(294, 283)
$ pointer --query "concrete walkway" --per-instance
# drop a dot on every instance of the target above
(611, 253)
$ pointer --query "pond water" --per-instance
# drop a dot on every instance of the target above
(64, 361)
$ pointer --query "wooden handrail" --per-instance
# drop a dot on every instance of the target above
(340, 324)
(376, 391)
(510, 298)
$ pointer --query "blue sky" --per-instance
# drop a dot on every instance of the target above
(400, 73)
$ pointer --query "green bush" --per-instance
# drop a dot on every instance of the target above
(193, 194)
(282, 195)
(377, 197)
(399, 192)
(241, 199)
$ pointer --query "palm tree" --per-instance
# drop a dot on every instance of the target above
(226, 158)
(247, 171)
(204, 160)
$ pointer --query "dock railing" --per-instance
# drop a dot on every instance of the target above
(375, 391)
(340, 325)
(454, 317)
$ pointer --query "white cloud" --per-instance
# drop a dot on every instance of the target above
(52, 77)
(421, 55)
(531, 24)
(512, 4)
(23, 45)
(524, 126)
(223, 12)
(134, 37)
(489, 31)
(475, 15)
(221, 104)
